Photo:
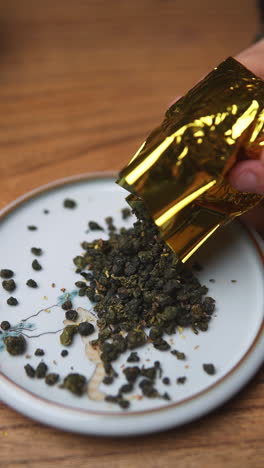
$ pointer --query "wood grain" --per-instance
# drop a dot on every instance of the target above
(81, 84)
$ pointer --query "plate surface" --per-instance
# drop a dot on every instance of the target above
(234, 342)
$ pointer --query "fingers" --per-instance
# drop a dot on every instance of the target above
(248, 176)
(252, 58)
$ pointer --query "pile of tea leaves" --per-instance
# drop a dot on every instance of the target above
(141, 294)
(140, 291)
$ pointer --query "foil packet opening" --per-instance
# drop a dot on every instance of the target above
(180, 170)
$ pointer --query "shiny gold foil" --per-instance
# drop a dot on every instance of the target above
(180, 170)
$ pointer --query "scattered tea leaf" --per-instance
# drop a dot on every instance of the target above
(148, 389)
(30, 371)
(108, 380)
(179, 355)
(133, 357)
(41, 370)
(36, 251)
(126, 213)
(9, 285)
(52, 378)
(67, 305)
(6, 274)
(67, 335)
(126, 388)
(166, 381)
(36, 265)
(75, 383)
(5, 325)
(12, 301)
(69, 203)
(136, 338)
(209, 369)
(71, 315)
(15, 345)
(161, 345)
(80, 284)
(85, 328)
(131, 373)
(181, 380)
(119, 400)
(31, 283)
(93, 226)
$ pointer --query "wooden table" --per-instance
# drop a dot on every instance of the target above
(81, 84)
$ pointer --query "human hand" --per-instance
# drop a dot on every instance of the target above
(248, 175)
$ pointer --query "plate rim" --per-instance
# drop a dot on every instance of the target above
(46, 403)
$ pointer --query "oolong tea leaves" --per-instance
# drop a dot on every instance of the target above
(139, 288)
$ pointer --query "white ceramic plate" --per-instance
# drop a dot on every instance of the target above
(234, 342)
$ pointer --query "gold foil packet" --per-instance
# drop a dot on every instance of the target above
(180, 170)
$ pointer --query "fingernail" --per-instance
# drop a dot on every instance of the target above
(246, 182)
